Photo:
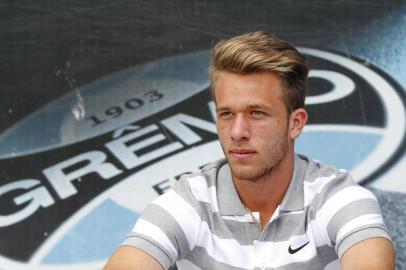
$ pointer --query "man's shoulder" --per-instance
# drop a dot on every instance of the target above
(194, 184)
(209, 172)
(321, 180)
(199, 188)
(316, 170)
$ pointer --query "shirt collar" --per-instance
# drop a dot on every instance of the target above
(294, 197)
(230, 204)
(228, 200)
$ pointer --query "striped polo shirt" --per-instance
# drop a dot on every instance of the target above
(201, 223)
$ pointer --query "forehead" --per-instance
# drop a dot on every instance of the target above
(253, 90)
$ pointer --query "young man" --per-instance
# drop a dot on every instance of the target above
(263, 207)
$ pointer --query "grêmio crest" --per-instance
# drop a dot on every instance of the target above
(77, 173)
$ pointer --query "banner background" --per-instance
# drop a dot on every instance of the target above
(66, 53)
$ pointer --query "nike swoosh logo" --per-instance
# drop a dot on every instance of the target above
(293, 251)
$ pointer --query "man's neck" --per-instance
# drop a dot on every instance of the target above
(267, 193)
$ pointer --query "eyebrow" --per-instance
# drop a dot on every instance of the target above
(223, 108)
(250, 106)
(257, 106)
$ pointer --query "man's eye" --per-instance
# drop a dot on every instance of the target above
(225, 114)
(257, 113)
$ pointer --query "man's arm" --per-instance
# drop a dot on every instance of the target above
(374, 253)
(131, 258)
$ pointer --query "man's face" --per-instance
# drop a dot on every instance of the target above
(252, 123)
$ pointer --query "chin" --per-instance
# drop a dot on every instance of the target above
(248, 173)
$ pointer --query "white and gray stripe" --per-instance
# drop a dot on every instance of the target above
(202, 224)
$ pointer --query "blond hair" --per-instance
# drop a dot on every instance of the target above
(260, 52)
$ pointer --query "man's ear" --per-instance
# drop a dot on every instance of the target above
(297, 121)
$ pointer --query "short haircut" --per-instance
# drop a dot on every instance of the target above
(260, 52)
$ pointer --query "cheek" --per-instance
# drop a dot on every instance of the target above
(221, 129)
(272, 132)
(270, 127)
(281, 123)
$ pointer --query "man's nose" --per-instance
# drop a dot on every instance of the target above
(240, 128)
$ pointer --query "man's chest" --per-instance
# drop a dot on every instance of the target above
(238, 243)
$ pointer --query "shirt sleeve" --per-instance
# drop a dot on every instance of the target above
(168, 228)
(349, 214)
(148, 245)
(360, 235)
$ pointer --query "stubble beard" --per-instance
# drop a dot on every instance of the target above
(278, 153)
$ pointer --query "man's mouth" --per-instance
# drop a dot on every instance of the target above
(242, 153)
